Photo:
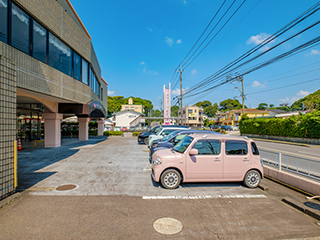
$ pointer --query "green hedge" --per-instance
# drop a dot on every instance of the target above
(302, 126)
(112, 133)
(135, 134)
(93, 132)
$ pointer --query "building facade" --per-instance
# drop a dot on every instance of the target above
(132, 107)
(193, 116)
(233, 117)
(48, 71)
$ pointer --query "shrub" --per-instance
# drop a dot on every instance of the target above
(112, 133)
(302, 126)
(93, 132)
(135, 134)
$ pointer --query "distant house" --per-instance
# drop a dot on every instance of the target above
(193, 116)
(132, 107)
(233, 117)
(131, 115)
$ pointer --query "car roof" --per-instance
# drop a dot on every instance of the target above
(182, 126)
(200, 131)
(218, 136)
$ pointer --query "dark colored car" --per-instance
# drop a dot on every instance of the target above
(143, 137)
(173, 138)
(225, 127)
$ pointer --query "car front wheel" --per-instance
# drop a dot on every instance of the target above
(252, 179)
(170, 179)
(146, 141)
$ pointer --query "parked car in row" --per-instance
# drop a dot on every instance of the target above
(208, 158)
(143, 137)
(161, 133)
(173, 138)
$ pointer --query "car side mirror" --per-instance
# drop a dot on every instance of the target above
(176, 141)
(193, 151)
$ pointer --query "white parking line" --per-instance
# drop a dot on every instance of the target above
(202, 197)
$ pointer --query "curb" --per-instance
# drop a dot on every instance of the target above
(9, 199)
(312, 213)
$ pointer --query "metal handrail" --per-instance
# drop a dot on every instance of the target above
(302, 169)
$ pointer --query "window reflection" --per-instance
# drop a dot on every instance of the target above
(84, 75)
(76, 66)
(39, 42)
(59, 55)
(3, 20)
(20, 29)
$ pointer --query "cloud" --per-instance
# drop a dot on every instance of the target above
(184, 1)
(179, 41)
(315, 52)
(193, 72)
(142, 63)
(258, 84)
(110, 92)
(258, 38)
(169, 41)
(147, 71)
(149, 29)
(300, 94)
(177, 91)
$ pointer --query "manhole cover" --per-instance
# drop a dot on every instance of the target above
(66, 187)
(167, 226)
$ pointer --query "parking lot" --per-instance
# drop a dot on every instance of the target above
(114, 197)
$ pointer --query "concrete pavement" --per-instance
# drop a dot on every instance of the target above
(115, 198)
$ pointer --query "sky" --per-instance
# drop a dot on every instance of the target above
(140, 43)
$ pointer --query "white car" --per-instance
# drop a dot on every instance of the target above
(163, 132)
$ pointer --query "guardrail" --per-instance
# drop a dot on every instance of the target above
(290, 162)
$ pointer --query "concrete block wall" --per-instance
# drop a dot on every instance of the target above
(7, 125)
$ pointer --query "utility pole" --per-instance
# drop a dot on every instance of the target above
(242, 95)
(181, 109)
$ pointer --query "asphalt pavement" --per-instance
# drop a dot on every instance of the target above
(106, 192)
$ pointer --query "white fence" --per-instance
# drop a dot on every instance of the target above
(305, 166)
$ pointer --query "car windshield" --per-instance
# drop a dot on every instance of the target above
(153, 130)
(183, 144)
(169, 136)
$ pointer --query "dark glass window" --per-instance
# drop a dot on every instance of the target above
(59, 55)
(3, 20)
(39, 42)
(20, 29)
(234, 147)
(101, 96)
(254, 147)
(84, 74)
(76, 66)
(208, 147)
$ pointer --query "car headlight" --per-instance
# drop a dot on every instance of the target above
(157, 161)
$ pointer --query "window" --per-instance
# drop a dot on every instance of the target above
(59, 55)
(84, 75)
(101, 94)
(183, 144)
(76, 66)
(167, 132)
(4, 20)
(178, 138)
(20, 29)
(254, 148)
(234, 147)
(208, 147)
(190, 111)
(39, 42)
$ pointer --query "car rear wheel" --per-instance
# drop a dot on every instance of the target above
(170, 179)
(252, 179)
(146, 141)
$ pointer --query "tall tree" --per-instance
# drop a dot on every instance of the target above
(229, 104)
(262, 106)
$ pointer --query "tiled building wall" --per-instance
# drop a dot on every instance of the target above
(7, 125)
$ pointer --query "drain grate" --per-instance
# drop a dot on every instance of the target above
(66, 187)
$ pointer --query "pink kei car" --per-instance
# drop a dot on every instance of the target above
(208, 158)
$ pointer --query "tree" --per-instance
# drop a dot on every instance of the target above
(229, 104)
(114, 103)
(174, 111)
(262, 106)
(156, 113)
(204, 104)
(271, 105)
(211, 110)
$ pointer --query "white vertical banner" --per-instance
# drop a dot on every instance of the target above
(166, 105)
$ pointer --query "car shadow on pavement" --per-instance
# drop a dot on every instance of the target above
(31, 161)
(312, 205)
(211, 185)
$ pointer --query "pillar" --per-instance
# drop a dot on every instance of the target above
(83, 129)
(100, 127)
(52, 129)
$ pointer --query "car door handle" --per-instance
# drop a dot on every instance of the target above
(217, 160)
(245, 160)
